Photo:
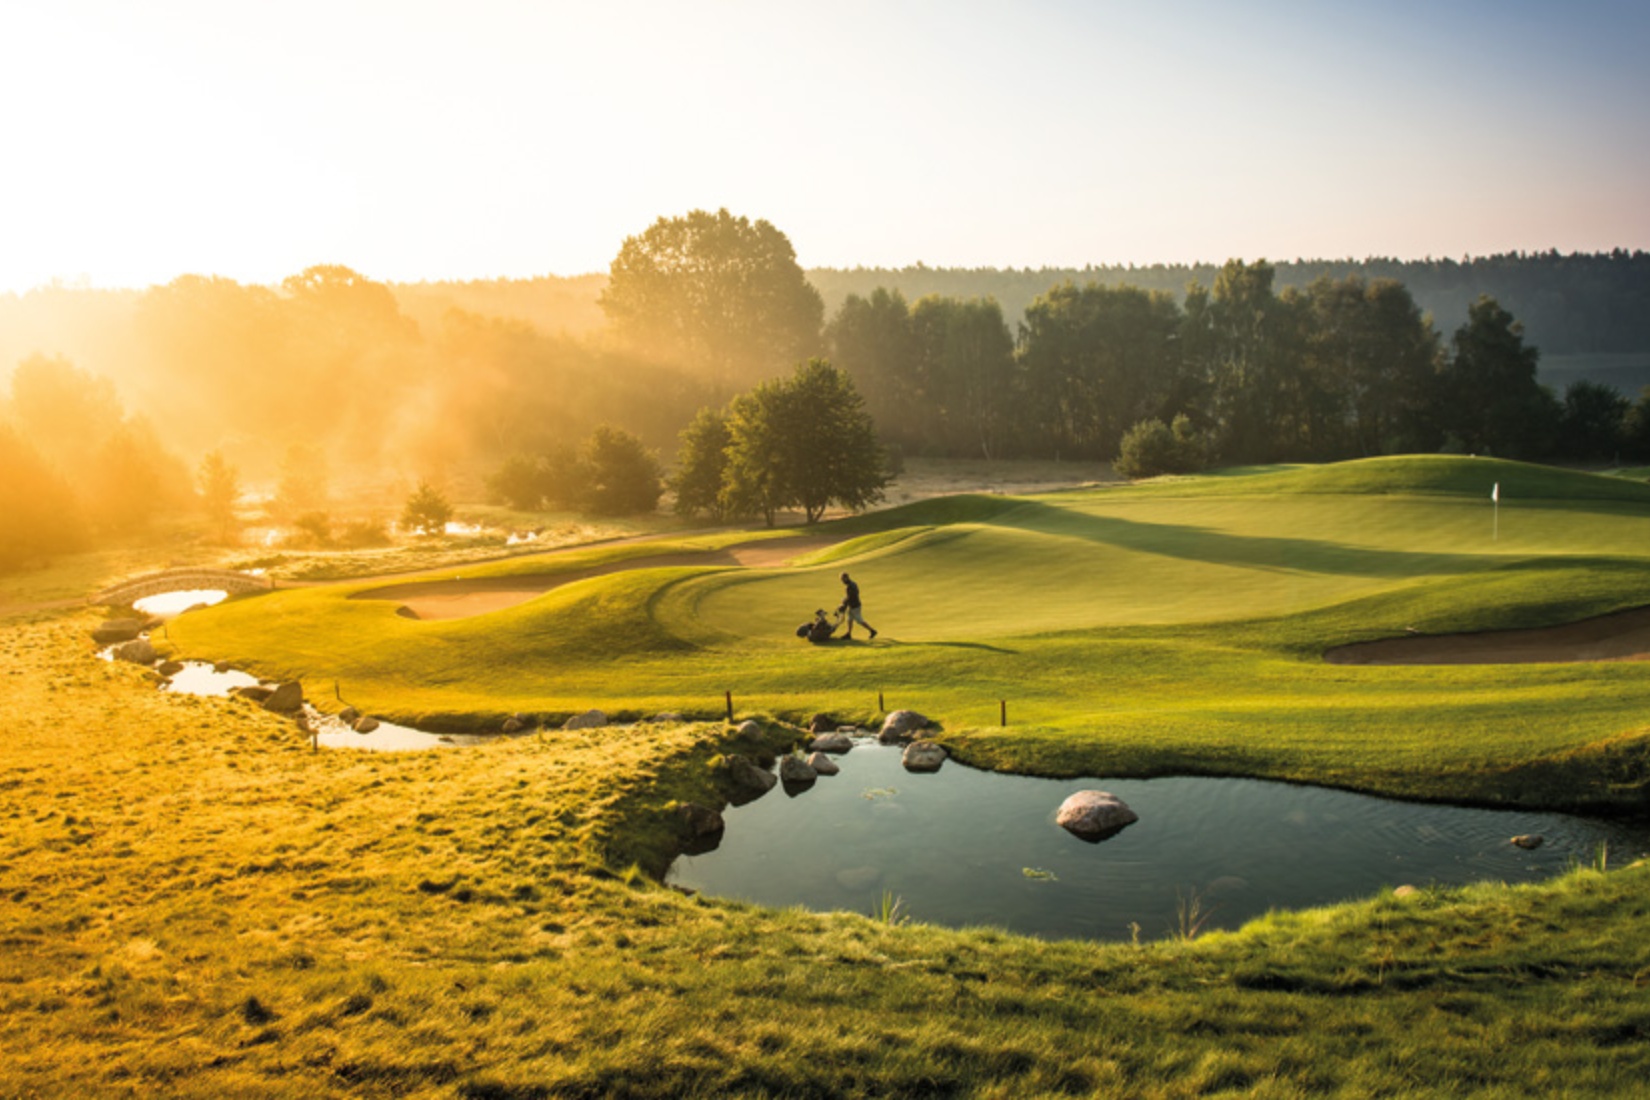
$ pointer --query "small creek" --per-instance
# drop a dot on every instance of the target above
(203, 678)
(963, 847)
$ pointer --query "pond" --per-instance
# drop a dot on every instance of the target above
(963, 847)
(328, 730)
(167, 604)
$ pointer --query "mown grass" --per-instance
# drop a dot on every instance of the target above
(1176, 626)
(196, 904)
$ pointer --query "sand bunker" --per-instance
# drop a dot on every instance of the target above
(1622, 636)
(462, 597)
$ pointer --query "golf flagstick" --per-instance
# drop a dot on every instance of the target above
(1495, 497)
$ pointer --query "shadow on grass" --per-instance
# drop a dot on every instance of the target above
(1203, 544)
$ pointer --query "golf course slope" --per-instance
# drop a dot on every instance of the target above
(194, 903)
(1175, 626)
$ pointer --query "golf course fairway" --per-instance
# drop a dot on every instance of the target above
(196, 903)
(1177, 626)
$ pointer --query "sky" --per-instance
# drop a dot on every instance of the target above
(419, 140)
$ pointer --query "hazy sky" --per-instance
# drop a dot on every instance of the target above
(143, 140)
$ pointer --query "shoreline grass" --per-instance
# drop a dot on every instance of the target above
(197, 904)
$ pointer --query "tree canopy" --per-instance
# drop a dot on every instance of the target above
(721, 295)
(800, 442)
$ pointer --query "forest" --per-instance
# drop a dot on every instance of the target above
(109, 400)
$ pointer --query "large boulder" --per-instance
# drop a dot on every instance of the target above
(923, 756)
(112, 631)
(1094, 815)
(831, 742)
(822, 764)
(286, 698)
(699, 821)
(702, 826)
(749, 781)
(138, 651)
(589, 720)
(793, 770)
(900, 726)
(257, 693)
(348, 715)
(366, 723)
(749, 728)
(514, 724)
(821, 723)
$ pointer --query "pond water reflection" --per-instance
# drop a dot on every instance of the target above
(167, 604)
(963, 847)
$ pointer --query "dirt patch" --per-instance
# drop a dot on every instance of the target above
(1622, 636)
(462, 597)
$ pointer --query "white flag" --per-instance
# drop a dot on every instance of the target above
(1495, 493)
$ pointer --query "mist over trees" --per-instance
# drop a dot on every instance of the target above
(331, 380)
(719, 295)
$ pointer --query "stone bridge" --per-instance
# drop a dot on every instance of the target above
(180, 580)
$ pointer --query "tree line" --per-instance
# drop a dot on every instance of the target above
(1343, 368)
(1569, 303)
(333, 377)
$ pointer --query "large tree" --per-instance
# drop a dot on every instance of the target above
(871, 339)
(1097, 360)
(1491, 402)
(966, 362)
(1374, 354)
(723, 296)
(621, 475)
(701, 466)
(804, 442)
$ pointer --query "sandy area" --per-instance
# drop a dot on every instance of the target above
(1622, 636)
(463, 597)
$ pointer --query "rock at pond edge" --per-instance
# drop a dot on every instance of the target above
(286, 698)
(831, 742)
(822, 764)
(899, 724)
(923, 756)
(589, 720)
(794, 769)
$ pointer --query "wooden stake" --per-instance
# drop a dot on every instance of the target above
(880, 708)
(730, 706)
(1002, 707)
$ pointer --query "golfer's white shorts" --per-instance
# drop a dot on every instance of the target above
(857, 615)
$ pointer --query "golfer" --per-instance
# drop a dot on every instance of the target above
(850, 605)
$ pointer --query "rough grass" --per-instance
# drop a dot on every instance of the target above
(195, 904)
